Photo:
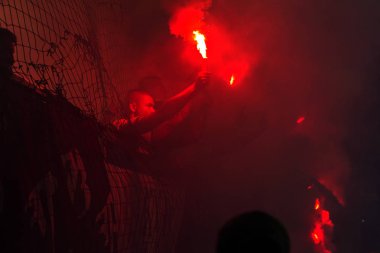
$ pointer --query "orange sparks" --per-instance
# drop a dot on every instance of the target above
(201, 43)
(232, 80)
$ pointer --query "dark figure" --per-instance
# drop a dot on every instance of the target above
(253, 232)
(53, 180)
(135, 145)
(23, 151)
(7, 45)
(144, 125)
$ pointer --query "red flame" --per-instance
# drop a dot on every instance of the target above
(322, 224)
(232, 80)
(317, 204)
(201, 43)
(315, 238)
(226, 56)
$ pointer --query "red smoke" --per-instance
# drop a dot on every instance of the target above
(225, 56)
(322, 230)
(187, 19)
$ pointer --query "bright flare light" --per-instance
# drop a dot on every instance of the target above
(232, 80)
(322, 223)
(201, 43)
(315, 238)
(317, 204)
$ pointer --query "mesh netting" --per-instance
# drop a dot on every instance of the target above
(56, 50)
(76, 201)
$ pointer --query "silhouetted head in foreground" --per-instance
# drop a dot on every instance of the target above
(7, 48)
(253, 232)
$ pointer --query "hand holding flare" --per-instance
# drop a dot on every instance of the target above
(202, 48)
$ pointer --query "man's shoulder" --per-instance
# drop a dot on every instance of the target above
(23, 86)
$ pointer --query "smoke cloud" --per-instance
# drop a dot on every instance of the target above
(314, 59)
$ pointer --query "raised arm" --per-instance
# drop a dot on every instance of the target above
(172, 106)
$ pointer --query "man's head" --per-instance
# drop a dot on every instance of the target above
(7, 47)
(253, 232)
(154, 86)
(140, 104)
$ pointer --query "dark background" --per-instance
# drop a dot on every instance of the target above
(316, 59)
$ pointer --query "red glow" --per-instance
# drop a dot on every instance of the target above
(317, 204)
(300, 120)
(322, 224)
(225, 55)
(201, 43)
(232, 80)
(315, 238)
(186, 20)
(325, 218)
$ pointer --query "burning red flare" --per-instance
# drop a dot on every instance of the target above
(317, 204)
(316, 238)
(201, 43)
(232, 80)
(321, 225)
